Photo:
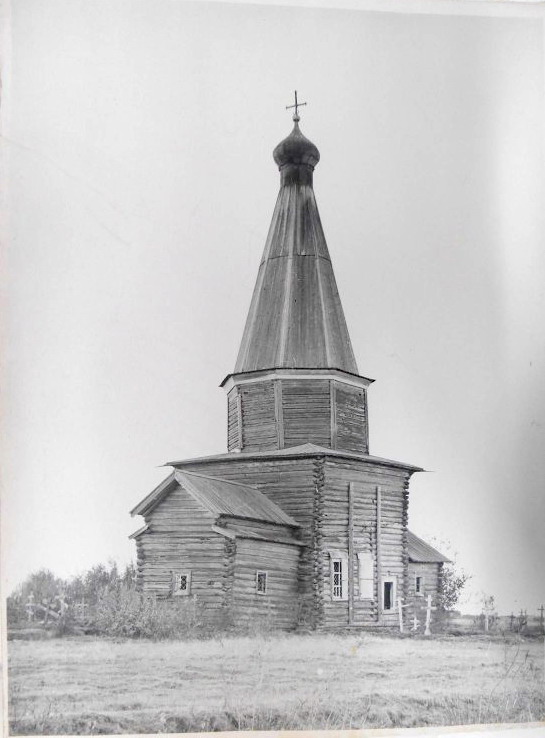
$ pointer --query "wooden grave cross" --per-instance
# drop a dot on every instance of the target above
(30, 606)
(400, 613)
(429, 609)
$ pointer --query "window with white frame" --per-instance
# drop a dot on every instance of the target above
(339, 575)
(419, 584)
(181, 583)
(366, 572)
(261, 582)
(389, 593)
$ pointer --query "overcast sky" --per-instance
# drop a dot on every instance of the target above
(141, 189)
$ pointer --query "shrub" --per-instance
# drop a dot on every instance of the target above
(126, 613)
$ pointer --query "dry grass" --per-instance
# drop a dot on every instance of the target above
(84, 685)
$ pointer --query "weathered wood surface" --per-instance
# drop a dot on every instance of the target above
(315, 492)
(335, 528)
(296, 317)
(234, 426)
(290, 483)
(279, 605)
(180, 538)
(266, 414)
(432, 576)
(351, 418)
(306, 411)
(259, 431)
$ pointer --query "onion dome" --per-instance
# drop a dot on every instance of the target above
(296, 149)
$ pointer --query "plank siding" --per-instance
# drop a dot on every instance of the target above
(259, 432)
(233, 429)
(306, 412)
(351, 418)
(280, 413)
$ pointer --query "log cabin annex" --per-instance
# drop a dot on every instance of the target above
(296, 522)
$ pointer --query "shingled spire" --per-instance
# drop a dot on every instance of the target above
(296, 379)
(296, 318)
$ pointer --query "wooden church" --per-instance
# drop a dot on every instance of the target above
(297, 522)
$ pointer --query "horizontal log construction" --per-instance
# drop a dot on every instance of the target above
(279, 601)
(314, 491)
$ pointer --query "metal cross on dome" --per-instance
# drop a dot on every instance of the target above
(296, 106)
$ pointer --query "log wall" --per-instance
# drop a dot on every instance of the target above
(291, 484)
(314, 491)
(365, 479)
(278, 607)
(180, 538)
(432, 574)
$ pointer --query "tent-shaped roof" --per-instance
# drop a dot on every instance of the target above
(220, 496)
(296, 318)
(422, 553)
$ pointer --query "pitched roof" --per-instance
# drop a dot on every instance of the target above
(225, 497)
(234, 530)
(306, 449)
(296, 319)
(219, 496)
(155, 495)
(422, 552)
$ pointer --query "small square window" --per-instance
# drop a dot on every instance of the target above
(181, 583)
(261, 582)
(419, 585)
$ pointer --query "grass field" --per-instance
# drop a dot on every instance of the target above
(85, 685)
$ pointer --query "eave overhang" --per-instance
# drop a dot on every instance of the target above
(308, 450)
(259, 375)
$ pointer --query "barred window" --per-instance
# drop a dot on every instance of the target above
(337, 580)
(181, 583)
